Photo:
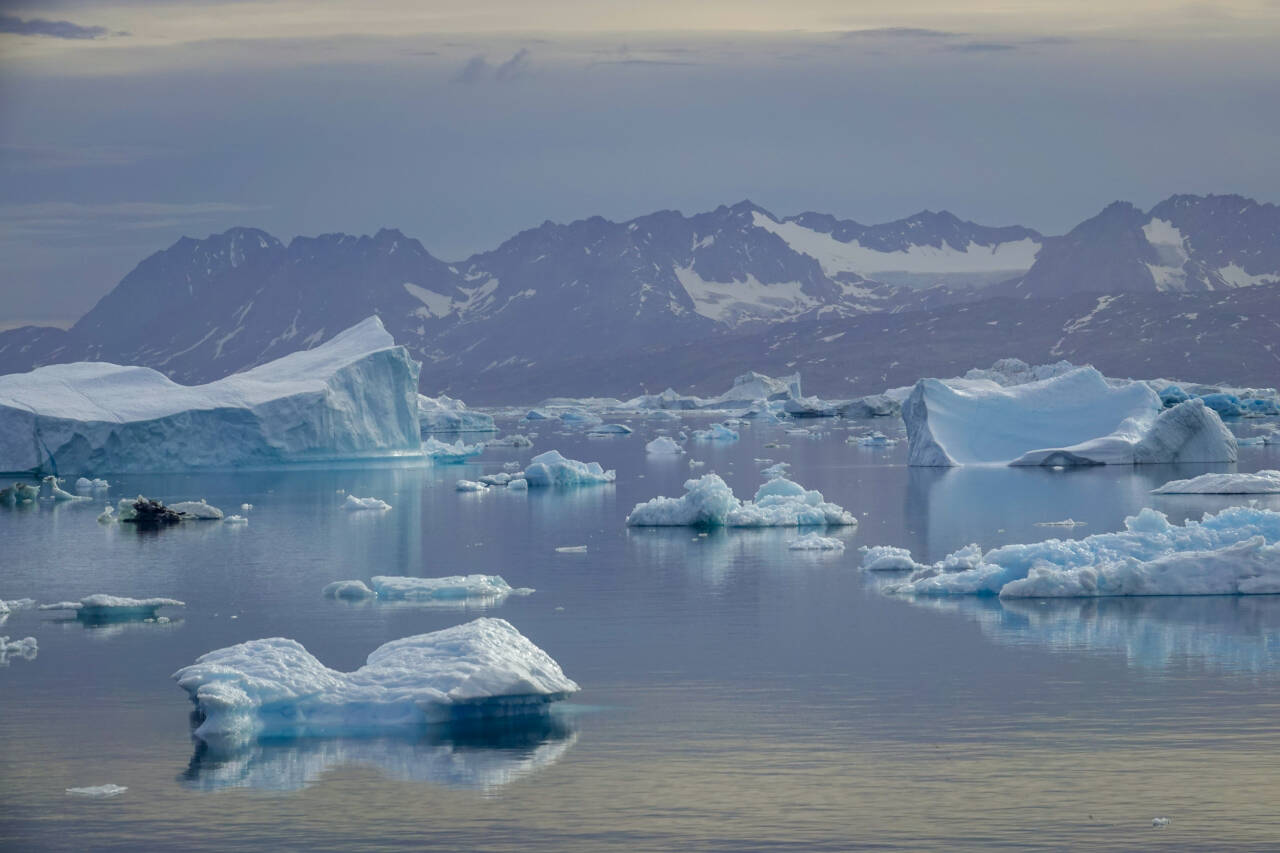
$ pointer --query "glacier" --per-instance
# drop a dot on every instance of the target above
(1235, 552)
(1260, 483)
(1077, 417)
(553, 469)
(709, 502)
(275, 687)
(353, 397)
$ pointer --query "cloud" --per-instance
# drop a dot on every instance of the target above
(62, 219)
(898, 32)
(648, 62)
(478, 69)
(52, 29)
(28, 157)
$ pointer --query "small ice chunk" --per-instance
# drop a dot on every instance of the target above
(519, 484)
(452, 588)
(16, 604)
(235, 519)
(512, 466)
(663, 445)
(1160, 822)
(100, 791)
(197, 510)
(778, 469)
(814, 542)
(499, 479)
(85, 486)
(887, 558)
(610, 429)
(246, 507)
(696, 463)
(470, 486)
(514, 440)
(715, 432)
(571, 549)
(354, 503)
(26, 649)
(275, 687)
(552, 469)
(353, 590)
(108, 515)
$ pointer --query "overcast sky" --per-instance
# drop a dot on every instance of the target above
(124, 126)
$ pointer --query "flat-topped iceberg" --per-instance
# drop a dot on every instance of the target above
(445, 414)
(709, 502)
(1236, 552)
(353, 397)
(552, 469)
(109, 608)
(1261, 483)
(1075, 418)
(275, 687)
(457, 589)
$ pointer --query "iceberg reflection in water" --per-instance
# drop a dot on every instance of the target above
(476, 755)
(1217, 633)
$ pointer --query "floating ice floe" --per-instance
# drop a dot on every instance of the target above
(86, 486)
(1261, 483)
(445, 414)
(875, 439)
(1075, 418)
(353, 397)
(552, 469)
(814, 542)
(7, 607)
(886, 558)
(52, 490)
(235, 519)
(451, 454)
(355, 504)
(470, 486)
(108, 608)
(518, 484)
(709, 502)
(197, 510)
(18, 494)
(108, 515)
(611, 429)
(514, 440)
(26, 649)
(663, 445)
(457, 588)
(571, 549)
(715, 432)
(246, 507)
(1066, 522)
(145, 512)
(1160, 822)
(777, 469)
(275, 687)
(1236, 552)
(98, 791)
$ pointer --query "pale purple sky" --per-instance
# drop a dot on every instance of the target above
(126, 125)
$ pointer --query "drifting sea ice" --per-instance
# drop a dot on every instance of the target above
(886, 558)
(99, 791)
(611, 429)
(86, 486)
(53, 490)
(1236, 552)
(355, 504)
(451, 454)
(470, 486)
(445, 414)
(27, 648)
(552, 469)
(235, 519)
(7, 607)
(514, 440)
(814, 542)
(663, 445)
(198, 510)
(457, 588)
(353, 590)
(709, 502)
(108, 608)
(716, 432)
(275, 687)
(777, 469)
(1261, 483)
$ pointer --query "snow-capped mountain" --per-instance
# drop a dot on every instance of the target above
(597, 306)
(1184, 244)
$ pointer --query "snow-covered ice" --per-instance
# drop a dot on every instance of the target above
(445, 414)
(1261, 483)
(1236, 552)
(353, 397)
(663, 444)
(814, 542)
(709, 502)
(1075, 418)
(99, 791)
(355, 504)
(275, 687)
(886, 558)
(106, 608)
(443, 453)
(552, 469)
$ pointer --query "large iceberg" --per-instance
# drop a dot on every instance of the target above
(354, 397)
(275, 687)
(1236, 552)
(709, 502)
(1261, 483)
(552, 469)
(445, 414)
(1074, 418)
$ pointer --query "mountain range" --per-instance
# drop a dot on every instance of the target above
(1190, 289)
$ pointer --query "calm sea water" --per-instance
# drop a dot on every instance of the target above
(737, 695)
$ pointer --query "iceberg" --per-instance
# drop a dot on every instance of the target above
(451, 454)
(809, 407)
(348, 591)
(445, 414)
(114, 608)
(610, 429)
(716, 432)
(86, 486)
(1236, 552)
(552, 469)
(145, 513)
(18, 494)
(887, 558)
(198, 510)
(26, 649)
(1261, 483)
(871, 406)
(513, 440)
(470, 486)
(663, 444)
(354, 397)
(1074, 418)
(814, 542)
(98, 791)
(53, 486)
(458, 589)
(355, 504)
(709, 502)
(275, 687)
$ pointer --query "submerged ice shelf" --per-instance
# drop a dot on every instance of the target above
(482, 669)
(1236, 552)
